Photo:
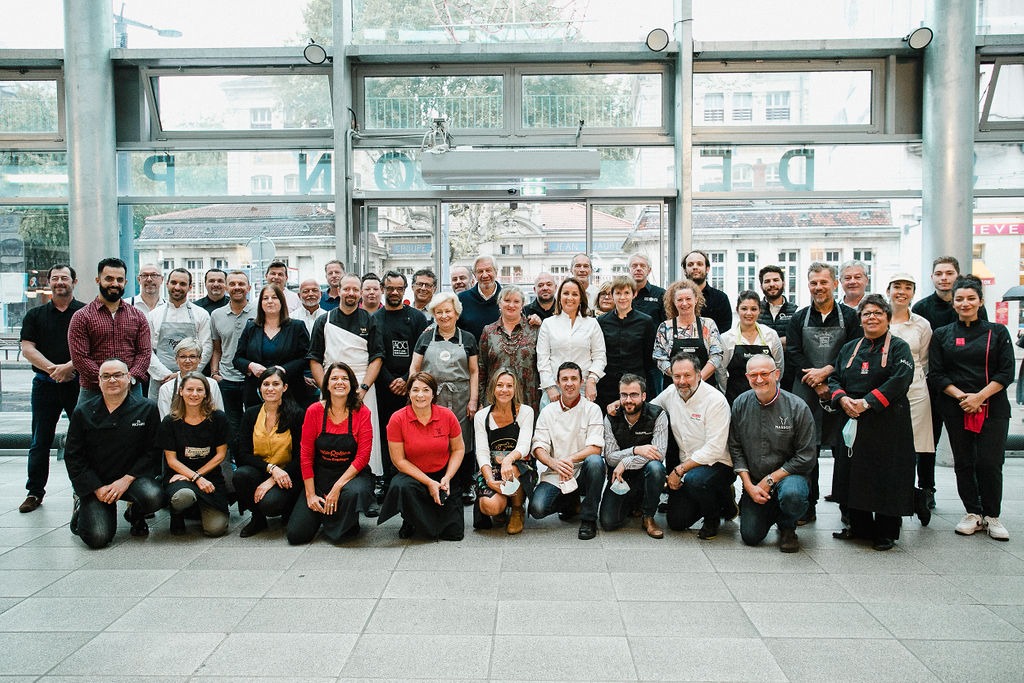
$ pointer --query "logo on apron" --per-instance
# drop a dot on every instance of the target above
(399, 348)
(445, 355)
(825, 339)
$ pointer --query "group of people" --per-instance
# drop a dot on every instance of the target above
(319, 407)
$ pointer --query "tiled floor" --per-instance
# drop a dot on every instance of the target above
(540, 606)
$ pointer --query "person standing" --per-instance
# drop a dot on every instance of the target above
(333, 271)
(400, 326)
(854, 278)
(151, 282)
(650, 299)
(815, 335)
(44, 344)
(510, 343)
(697, 265)
(628, 340)
(686, 331)
(277, 274)
(349, 335)
(108, 327)
(776, 312)
(215, 282)
(226, 326)
(543, 306)
(748, 339)
(480, 302)
(309, 311)
(273, 338)
(582, 269)
(424, 284)
(773, 447)
(970, 366)
(462, 279)
(111, 455)
(172, 322)
(370, 293)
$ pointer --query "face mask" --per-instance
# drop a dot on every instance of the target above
(509, 487)
(569, 485)
(620, 487)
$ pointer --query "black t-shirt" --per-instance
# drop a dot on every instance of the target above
(534, 308)
(195, 445)
(47, 328)
(209, 305)
(399, 330)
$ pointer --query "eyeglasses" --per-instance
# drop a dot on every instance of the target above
(150, 276)
(108, 376)
(635, 396)
(423, 285)
(762, 374)
(873, 314)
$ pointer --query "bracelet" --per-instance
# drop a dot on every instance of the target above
(195, 477)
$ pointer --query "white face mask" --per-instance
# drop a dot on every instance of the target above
(509, 487)
(620, 487)
(569, 485)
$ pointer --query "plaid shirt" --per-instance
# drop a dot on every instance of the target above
(95, 336)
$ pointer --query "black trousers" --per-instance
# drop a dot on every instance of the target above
(978, 462)
(97, 521)
(276, 502)
(354, 498)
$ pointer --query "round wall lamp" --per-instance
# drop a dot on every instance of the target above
(314, 54)
(919, 38)
(657, 40)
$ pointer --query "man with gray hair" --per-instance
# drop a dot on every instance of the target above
(462, 279)
(854, 277)
(480, 303)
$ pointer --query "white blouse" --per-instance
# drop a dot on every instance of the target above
(561, 340)
(524, 418)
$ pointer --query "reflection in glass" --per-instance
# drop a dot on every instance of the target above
(1009, 94)
(802, 20)
(28, 107)
(32, 239)
(33, 174)
(600, 100)
(415, 101)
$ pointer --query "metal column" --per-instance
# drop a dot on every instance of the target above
(344, 219)
(682, 120)
(89, 98)
(949, 122)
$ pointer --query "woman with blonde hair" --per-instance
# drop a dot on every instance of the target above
(685, 331)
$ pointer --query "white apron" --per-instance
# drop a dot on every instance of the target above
(351, 349)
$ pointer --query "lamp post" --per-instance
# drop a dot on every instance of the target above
(121, 24)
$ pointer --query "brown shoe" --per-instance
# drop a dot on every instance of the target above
(30, 504)
(652, 528)
(788, 542)
(515, 520)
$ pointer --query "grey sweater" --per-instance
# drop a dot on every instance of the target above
(763, 438)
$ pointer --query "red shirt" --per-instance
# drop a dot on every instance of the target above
(362, 431)
(94, 336)
(426, 445)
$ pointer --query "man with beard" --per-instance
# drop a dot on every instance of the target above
(543, 307)
(333, 271)
(44, 344)
(172, 322)
(635, 443)
(310, 310)
(349, 334)
(151, 281)
(227, 324)
(698, 417)
(716, 304)
(480, 302)
(649, 299)
(462, 279)
(371, 293)
(106, 328)
(215, 282)
(400, 326)
(814, 337)
(776, 312)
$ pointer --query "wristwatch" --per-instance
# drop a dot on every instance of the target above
(364, 387)
(770, 481)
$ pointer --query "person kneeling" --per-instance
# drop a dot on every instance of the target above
(111, 455)
(773, 446)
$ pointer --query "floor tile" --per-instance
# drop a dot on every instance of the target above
(112, 582)
(598, 584)
(989, 662)
(851, 557)
(436, 557)
(579, 617)
(565, 657)
(434, 584)
(170, 615)
(318, 583)
(298, 615)
(432, 616)
(657, 619)
(662, 559)
(714, 658)
(918, 588)
(404, 657)
(945, 622)
(45, 558)
(64, 614)
(22, 583)
(553, 559)
(210, 583)
(991, 590)
(150, 654)
(813, 620)
(701, 587)
(324, 556)
(37, 653)
(292, 655)
(234, 558)
(764, 558)
(829, 659)
(767, 587)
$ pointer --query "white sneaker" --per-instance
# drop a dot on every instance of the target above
(969, 524)
(996, 529)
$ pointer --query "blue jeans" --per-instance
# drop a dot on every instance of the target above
(700, 497)
(645, 485)
(548, 498)
(787, 504)
(48, 400)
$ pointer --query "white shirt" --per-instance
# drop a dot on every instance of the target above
(138, 302)
(564, 432)
(524, 418)
(560, 340)
(163, 401)
(308, 318)
(700, 426)
(294, 302)
(179, 314)
(766, 336)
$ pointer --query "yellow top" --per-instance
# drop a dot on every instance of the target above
(274, 448)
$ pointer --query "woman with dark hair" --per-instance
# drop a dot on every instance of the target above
(336, 438)
(570, 335)
(503, 431)
(970, 366)
(273, 338)
(194, 438)
(685, 331)
(746, 339)
(267, 477)
(426, 446)
(869, 384)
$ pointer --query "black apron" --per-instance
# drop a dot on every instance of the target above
(736, 382)
(501, 441)
(694, 346)
(333, 454)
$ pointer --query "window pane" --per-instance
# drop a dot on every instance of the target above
(415, 101)
(241, 102)
(647, 235)
(28, 107)
(999, 165)
(600, 100)
(801, 20)
(36, 24)
(791, 98)
(32, 238)
(33, 174)
(1006, 102)
(236, 173)
(420, 21)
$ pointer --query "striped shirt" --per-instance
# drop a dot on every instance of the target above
(95, 336)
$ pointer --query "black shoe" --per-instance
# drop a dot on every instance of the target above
(788, 541)
(570, 507)
(930, 497)
(730, 508)
(255, 525)
(138, 522)
(31, 503)
(708, 530)
(379, 489)
(468, 497)
(178, 525)
(373, 510)
(844, 535)
(808, 517)
(829, 498)
(588, 530)
(75, 509)
(407, 530)
(883, 544)
(480, 520)
(921, 507)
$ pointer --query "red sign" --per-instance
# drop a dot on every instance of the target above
(1003, 312)
(999, 228)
